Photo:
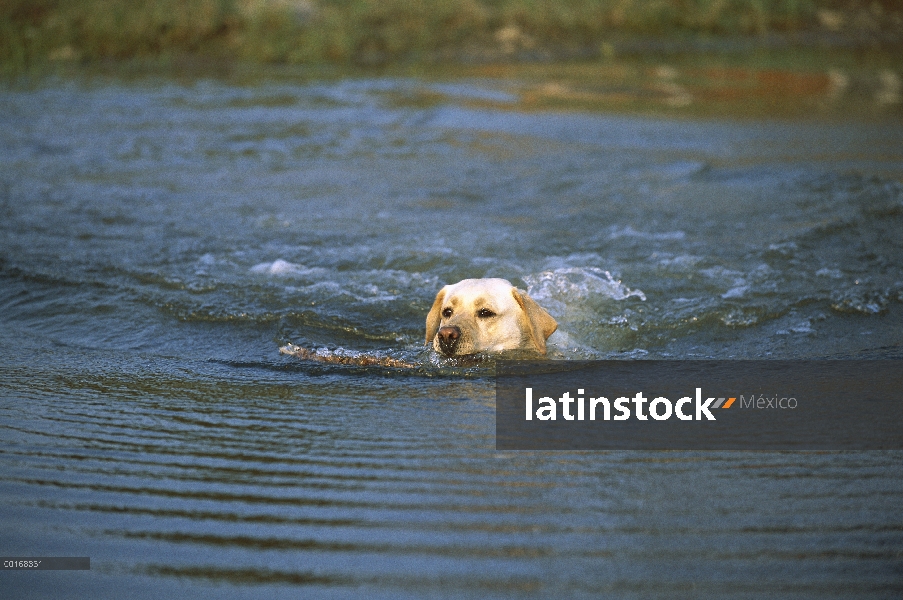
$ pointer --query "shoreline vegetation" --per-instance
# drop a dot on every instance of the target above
(385, 32)
(773, 58)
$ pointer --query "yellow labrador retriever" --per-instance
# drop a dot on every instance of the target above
(486, 315)
(468, 317)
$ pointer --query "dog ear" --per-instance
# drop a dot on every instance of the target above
(434, 316)
(541, 324)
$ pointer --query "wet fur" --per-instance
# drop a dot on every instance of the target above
(517, 321)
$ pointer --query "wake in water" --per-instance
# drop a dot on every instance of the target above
(570, 293)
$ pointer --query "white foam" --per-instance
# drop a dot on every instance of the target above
(682, 261)
(630, 232)
(283, 267)
(578, 282)
(832, 273)
(565, 290)
(736, 292)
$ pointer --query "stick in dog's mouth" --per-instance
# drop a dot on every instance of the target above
(355, 359)
(468, 320)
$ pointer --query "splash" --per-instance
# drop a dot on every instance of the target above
(282, 267)
(581, 298)
(569, 287)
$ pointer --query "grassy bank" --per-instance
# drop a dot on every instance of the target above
(41, 32)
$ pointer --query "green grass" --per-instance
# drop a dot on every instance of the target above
(41, 32)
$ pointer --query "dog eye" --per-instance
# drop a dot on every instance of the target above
(485, 313)
(446, 312)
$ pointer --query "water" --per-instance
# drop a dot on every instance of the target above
(161, 241)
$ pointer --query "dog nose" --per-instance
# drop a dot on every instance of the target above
(448, 339)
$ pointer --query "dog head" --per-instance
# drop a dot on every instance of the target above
(486, 315)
